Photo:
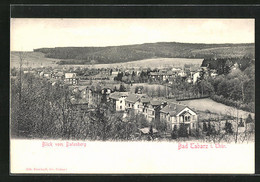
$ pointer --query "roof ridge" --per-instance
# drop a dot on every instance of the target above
(175, 103)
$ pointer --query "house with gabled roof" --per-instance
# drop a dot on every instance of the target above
(156, 76)
(79, 105)
(132, 101)
(118, 100)
(153, 109)
(143, 103)
(176, 114)
(168, 74)
(58, 75)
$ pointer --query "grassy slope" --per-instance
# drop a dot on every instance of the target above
(34, 59)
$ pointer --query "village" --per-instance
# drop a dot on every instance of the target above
(145, 91)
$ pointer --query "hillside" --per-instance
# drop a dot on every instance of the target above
(32, 59)
(120, 54)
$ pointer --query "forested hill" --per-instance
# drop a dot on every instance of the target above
(116, 54)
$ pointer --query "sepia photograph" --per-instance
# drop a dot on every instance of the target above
(121, 95)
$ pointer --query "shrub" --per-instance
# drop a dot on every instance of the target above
(228, 128)
(182, 132)
(174, 133)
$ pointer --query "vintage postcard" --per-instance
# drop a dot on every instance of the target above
(132, 96)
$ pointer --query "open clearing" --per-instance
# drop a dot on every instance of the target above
(153, 63)
(32, 59)
(215, 107)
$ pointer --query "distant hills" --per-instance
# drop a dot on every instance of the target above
(126, 53)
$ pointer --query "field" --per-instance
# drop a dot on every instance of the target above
(214, 107)
(32, 59)
(153, 63)
(37, 59)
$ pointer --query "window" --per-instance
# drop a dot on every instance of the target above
(153, 113)
(187, 118)
(120, 101)
(120, 107)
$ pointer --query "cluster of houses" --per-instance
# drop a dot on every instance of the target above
(169, 75)
(174, 113)
(74, 77)
(85, 97)
(152, 109)
(55, 75)
(188, 74)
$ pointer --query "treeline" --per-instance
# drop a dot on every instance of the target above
(224, 65)
(42, 110)
(235, 86)
(116, 54)
(143, 77)
(152, 90)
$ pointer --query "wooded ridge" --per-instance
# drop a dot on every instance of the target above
(126, 53)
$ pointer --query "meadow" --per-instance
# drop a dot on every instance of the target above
(37, 59)
(32, 59)
(153, 63)
(215, 107)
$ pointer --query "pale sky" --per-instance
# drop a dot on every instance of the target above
(31, 33)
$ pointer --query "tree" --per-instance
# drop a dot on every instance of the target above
(228, 128)
(122, 88)
(14, 72)
(145, 89)
(160, 125)
(249, 119)
(92, 62)
(205, 87)
(183, 130)
(211, 129)
(151, 131)
(205, 128)
(158, 90)
(125, 79)
(150, 91)
(174, 133)
(136, 89)
(133, 74)
(119, 76)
